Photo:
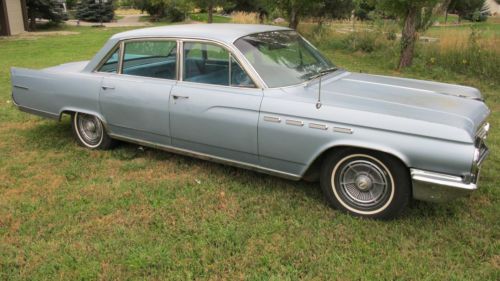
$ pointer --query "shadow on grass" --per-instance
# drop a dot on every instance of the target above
(54, 136)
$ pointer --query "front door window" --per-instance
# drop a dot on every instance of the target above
(211, 64)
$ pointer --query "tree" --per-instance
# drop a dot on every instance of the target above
(333, 9)
(46, 9)
(89, 10)
(473, 10)
(210, 5)
(171, 10)
(363, 8)
(416, 15)
(293, 10)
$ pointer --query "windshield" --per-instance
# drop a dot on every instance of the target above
(283, 58)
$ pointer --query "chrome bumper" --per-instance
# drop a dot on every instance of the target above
(436, 187)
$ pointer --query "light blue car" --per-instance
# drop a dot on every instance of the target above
(263, 98)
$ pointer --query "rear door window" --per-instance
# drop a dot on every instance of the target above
(156, 59)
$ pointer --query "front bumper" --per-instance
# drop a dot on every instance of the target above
(437, 187)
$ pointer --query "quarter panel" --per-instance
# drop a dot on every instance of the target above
(53, 92)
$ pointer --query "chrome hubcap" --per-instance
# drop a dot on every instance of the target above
(90, 126)
(89, 129)
(363, 184)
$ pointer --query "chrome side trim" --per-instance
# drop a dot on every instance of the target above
(21, 87)
(209, 157)
(295, 123)
(318, 126)
(272, 119)
(437, 187)
(343, 130)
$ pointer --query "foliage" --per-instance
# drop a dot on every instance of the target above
(295, 10)
(168, 10)
(332, 9)
(364, 9)
(473, 10)
(89, 10)
(365, 41)
(46, 9)
(209, 5)
(71, 4)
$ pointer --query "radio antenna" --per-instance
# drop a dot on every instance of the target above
(318, 103)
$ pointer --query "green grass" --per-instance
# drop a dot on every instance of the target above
(203, 17)
(69, 213)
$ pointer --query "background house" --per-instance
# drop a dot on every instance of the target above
(13, 17)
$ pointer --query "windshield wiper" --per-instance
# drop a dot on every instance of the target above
(322, 73)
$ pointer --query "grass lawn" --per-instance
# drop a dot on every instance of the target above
(69, 213)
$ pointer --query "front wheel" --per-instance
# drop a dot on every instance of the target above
(89, 131)
(365, 183)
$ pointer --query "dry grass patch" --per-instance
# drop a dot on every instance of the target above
(244, 17)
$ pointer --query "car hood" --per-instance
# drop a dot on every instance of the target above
(422, 107)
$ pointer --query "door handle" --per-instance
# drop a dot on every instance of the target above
(177, 97)
(107, 87)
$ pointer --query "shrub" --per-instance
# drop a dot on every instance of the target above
(365, 41)
(89, 10)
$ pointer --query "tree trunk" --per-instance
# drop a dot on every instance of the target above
(320, 22)
(262, 16)
(210, 13)
(294, 19)
(446, 17)
(32, 25)
(408, 38)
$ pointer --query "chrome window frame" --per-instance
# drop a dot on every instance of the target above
(106, 58)
(246, 66)
(231, 54)
(122, 56)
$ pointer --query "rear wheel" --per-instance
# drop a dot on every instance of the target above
(89, 131)
(366, 183)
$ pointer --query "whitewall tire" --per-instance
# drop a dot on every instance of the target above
(89, 131)
(366, 183)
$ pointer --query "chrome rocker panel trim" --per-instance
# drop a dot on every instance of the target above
(437, 187)
(209, 157)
